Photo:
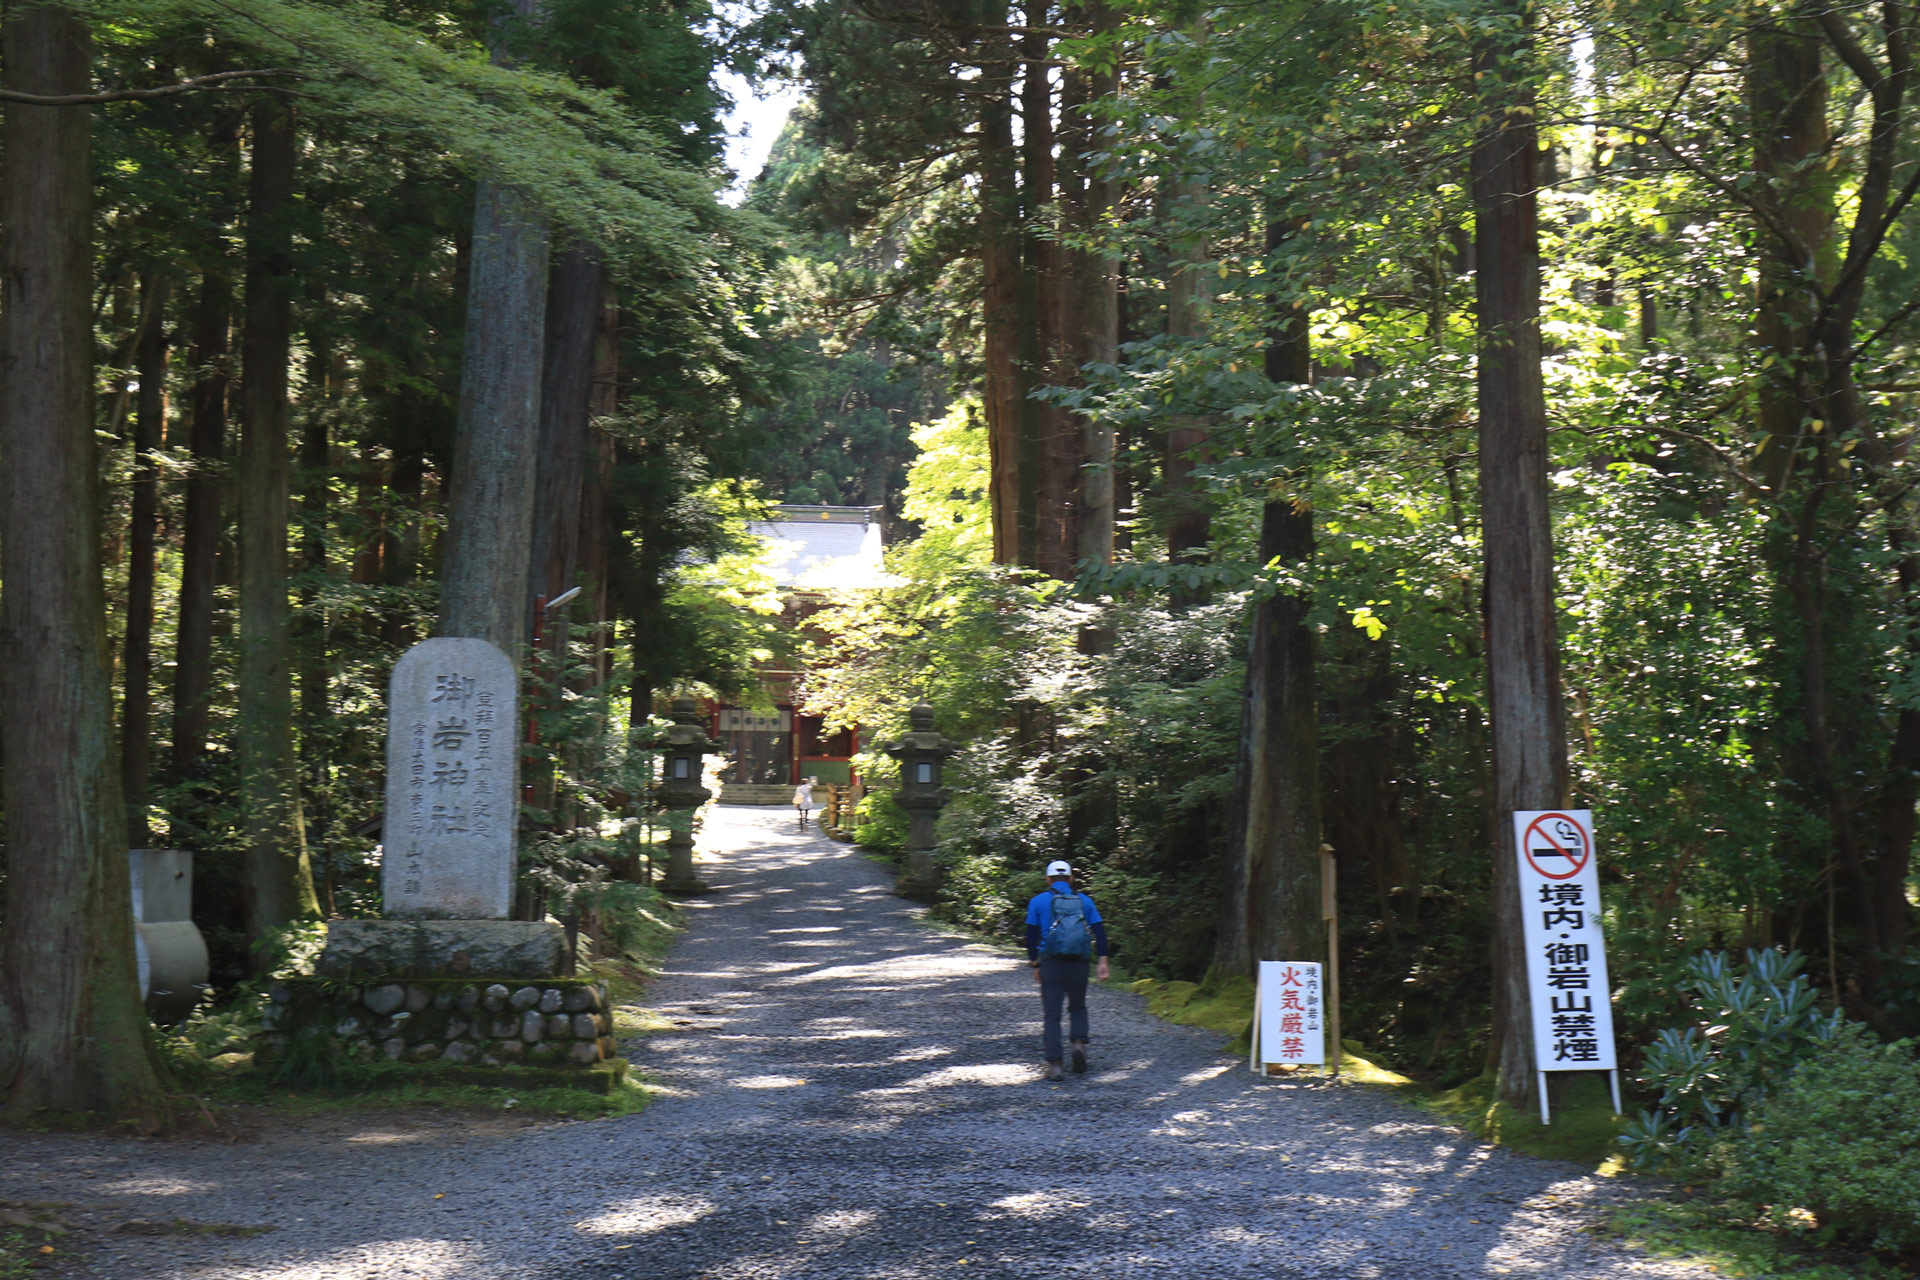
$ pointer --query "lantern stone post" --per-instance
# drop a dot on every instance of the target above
(683, 747)
(922, 754)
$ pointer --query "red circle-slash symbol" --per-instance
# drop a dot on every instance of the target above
(1555, 846)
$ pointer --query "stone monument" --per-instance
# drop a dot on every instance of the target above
(452, 757)
(447, 869)
(445, 978)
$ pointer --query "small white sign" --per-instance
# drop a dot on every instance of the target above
(1289, 1023)
(1566, 955)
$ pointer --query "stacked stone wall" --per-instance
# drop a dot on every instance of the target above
(562, 1024)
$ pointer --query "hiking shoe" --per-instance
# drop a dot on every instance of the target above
(1053, 1072)
(1079, 1056)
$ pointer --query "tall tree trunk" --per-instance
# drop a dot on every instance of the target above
(573, 307)
(1099, 328)
(573, 313)
(1808, 381)
(1005, 390)
(316, 479)
(1037, 275)
(1055, 446)
(277, 877)
(487, 561)
(1900, 792)
(201, 536)
(596, 493)
(149, 433)
(1271, 903)
(73, 1035)
(1523, 658)
(1189, 520)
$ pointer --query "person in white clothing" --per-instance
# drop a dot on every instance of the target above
(803, 800)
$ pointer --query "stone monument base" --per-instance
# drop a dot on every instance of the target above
(555, 1027)
(500, 949)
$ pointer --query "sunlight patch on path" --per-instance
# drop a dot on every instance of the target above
(413, 1257)
(646, 1214)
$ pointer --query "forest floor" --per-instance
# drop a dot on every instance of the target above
(846, 1092)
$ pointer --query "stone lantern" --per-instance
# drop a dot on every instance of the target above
(683, 748)
(922, 754)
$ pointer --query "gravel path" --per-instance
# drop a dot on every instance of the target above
(849, 1095)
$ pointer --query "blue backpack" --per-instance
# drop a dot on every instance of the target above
(1068, 934)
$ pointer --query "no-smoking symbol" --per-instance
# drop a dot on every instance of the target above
(1556, 846)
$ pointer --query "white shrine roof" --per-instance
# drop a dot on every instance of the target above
(814, 548)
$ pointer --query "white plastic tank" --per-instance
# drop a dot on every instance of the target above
(171, 953)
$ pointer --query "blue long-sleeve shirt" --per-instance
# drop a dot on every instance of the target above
(1040, 919)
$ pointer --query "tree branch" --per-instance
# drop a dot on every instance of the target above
(218, 80)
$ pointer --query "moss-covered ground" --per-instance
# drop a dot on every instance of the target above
(1583, 1132)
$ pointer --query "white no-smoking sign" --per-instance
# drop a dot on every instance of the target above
(1566, 951)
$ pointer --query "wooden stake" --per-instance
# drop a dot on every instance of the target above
(1330, 912)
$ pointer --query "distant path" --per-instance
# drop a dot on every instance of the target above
(851, 1095)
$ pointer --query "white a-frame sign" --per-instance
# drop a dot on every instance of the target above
(1566, 954)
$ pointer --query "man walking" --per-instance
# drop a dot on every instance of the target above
(1064, 931)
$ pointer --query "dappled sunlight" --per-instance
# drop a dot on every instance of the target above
(644, 1215)
(1205, 1074)
(842, 1222)
(766, 1082)
(877, 1114)
(157, 1185)
(998, 1075)
(388, 1137)
(426, 1259)
(1037, 1204)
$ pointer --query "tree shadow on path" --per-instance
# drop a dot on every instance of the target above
(848, 1092)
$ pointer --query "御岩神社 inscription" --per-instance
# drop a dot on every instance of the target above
(452, 769)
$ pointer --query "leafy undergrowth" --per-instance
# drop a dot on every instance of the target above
(1584, 1129)
(1706, 1234)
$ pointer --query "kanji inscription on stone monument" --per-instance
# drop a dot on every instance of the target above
(451, 771)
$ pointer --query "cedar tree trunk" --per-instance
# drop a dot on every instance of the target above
(276, 877)
(149, 433)
(73, 1035)
(200, 540)
(487, 561)
(1523, 657)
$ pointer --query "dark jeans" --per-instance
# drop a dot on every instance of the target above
(1062, 979)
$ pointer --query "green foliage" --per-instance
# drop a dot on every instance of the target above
(1760, 1022)
(1706, 1234)
(1835, 1150)
(575, 149)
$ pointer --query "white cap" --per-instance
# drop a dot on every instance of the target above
(1059, 869)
